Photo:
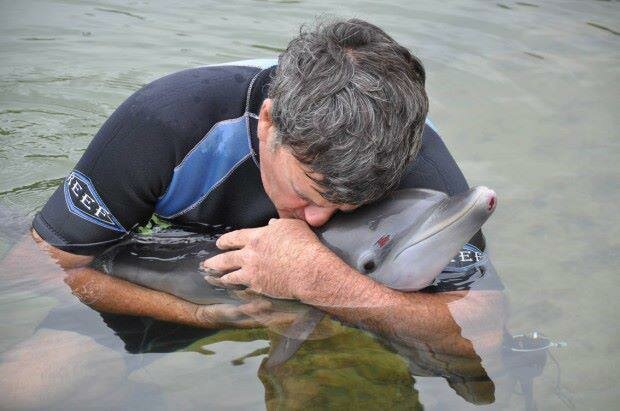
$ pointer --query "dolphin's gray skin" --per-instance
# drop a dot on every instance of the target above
(403, 242)
(168, 261)
(406, 240)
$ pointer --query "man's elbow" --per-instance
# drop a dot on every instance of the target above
(65, 260)
(481, 315)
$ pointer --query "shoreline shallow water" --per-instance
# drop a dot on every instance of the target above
(524, 94)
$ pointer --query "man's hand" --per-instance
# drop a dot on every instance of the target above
(256, 311)
(286, 260)
(278, 260)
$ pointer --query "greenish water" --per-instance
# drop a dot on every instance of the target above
(526, 97)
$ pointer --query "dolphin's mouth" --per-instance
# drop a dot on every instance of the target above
(451, 221)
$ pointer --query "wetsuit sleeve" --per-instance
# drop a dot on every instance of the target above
(434, 168)
(116, 183)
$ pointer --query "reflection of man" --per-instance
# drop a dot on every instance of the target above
(334, 126)
(366, 375)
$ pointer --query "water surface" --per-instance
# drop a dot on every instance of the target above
(525, 95)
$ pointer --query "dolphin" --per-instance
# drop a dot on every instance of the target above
(167, 260)
(407, 239)
(403, 241)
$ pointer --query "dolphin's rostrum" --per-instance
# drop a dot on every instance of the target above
(404, 242)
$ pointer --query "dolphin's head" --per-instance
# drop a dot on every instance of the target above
(422, 251)
(405, 241)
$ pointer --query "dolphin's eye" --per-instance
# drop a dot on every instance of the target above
(367, 262)
(369, 266)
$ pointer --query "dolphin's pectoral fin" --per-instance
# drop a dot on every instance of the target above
(255, 353)
(294, 337)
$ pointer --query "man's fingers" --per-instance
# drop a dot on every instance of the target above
(256, 307)
(214, 281)
(242, 295)
(245, 295)
(265, 313)
(226, 314)
(235, 278)
(223, 263)
(235, 239)
(218, 313)
(238, 277)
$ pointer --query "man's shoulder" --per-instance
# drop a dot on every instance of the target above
(203, 94)
(209, 77)
(434, 167)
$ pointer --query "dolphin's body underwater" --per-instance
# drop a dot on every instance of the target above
(403, 241)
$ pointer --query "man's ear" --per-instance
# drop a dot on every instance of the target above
(264, 120)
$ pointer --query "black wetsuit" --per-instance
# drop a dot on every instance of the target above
(185, 148)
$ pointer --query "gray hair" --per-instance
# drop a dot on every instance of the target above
(349, 103)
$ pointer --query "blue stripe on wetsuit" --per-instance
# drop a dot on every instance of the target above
(224, 147)
(209, 163)
(430, 123)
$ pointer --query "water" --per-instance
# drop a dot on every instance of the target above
(525, 95)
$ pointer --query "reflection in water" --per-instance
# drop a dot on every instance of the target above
(524, 358)
(354, 369)
(343, 367)
(349, 370)
(542, 131)
(338, 367)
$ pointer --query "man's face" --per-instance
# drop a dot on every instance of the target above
(294, 194)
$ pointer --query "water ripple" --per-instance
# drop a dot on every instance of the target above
(36, 186)
(40, 111)
(46, 156)
(125, 13)
(601, 27)
(38, 38)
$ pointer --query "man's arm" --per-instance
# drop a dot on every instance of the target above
(106, 293)
(286, 260)
(411, 318)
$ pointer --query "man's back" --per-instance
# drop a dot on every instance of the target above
(178, 147)
(185, 147)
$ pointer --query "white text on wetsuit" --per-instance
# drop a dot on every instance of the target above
(82, 198)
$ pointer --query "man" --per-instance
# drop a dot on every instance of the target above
(334, 126)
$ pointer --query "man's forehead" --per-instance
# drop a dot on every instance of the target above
(314, 195)
(309, 191)
(308, 187)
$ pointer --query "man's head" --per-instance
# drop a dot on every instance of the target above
(344, 118)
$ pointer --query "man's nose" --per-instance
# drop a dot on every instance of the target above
(316, 216)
